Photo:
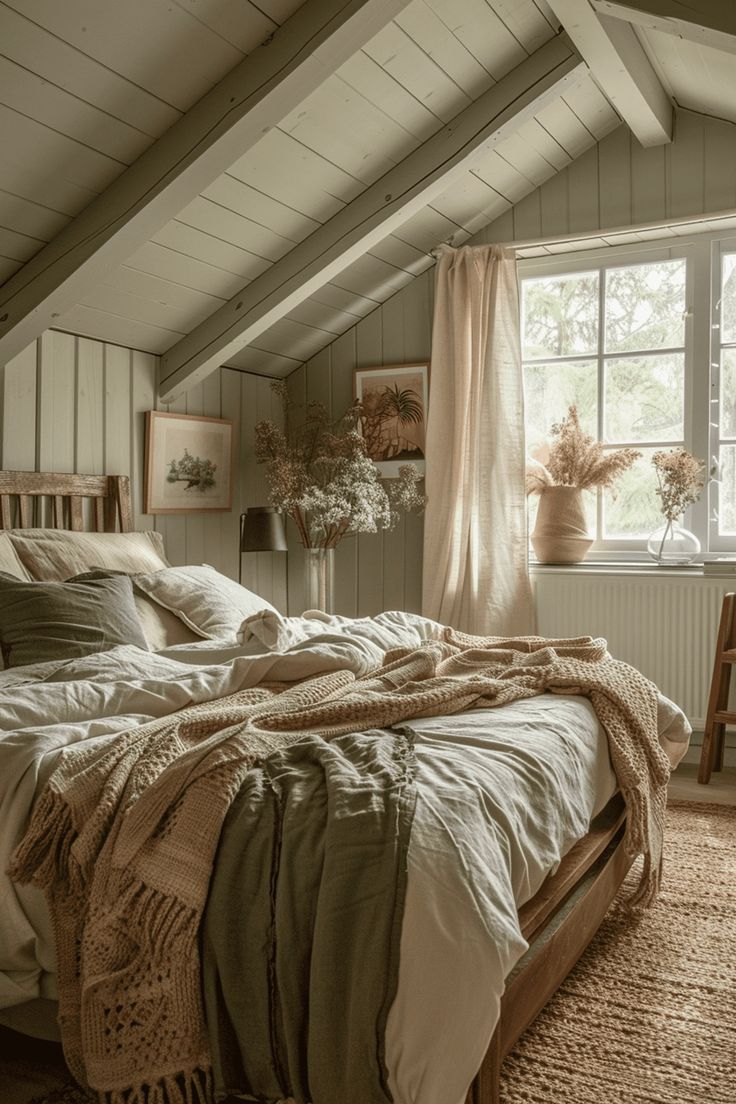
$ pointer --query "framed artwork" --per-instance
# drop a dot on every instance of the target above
(395, 398)
(189, 463)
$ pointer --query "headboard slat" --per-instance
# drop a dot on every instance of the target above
(58, 512)
(25, 507)
(77, 517)
(110, 495)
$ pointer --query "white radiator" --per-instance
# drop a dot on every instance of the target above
(663, 623)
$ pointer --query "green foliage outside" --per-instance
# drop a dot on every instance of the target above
(643, 395)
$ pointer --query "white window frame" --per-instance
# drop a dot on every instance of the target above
(700, 252)
(717, 542)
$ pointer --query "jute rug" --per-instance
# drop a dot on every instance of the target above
(648, 1016)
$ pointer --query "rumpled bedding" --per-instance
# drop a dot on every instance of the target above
(508, 791)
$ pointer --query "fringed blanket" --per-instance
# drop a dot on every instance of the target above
(124, 843)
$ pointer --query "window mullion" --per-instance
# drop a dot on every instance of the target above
(698, 353)
(601, 387)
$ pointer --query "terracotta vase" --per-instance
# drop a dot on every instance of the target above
(561, 530)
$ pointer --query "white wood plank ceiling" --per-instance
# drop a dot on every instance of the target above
(88, 85)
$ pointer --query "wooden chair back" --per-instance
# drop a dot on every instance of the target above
(28, 497)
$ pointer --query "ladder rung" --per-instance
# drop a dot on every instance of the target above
(724, 717)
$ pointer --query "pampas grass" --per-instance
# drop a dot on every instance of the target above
(575, 459)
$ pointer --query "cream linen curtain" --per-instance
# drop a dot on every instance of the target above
(476, 576)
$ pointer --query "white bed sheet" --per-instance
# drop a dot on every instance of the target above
(508, 790)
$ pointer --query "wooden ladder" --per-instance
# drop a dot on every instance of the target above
(718, 715)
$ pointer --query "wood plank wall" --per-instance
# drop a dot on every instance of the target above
(74, 404)
(618, 183)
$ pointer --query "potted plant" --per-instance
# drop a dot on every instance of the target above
(574, 462)
(679, 484)
(319, 474)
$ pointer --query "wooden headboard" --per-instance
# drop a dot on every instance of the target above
(24, 495)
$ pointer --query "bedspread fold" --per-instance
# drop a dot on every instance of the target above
(124, 842)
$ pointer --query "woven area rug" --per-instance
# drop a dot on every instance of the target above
(648, 1016)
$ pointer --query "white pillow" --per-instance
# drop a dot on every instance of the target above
(161, 628)
(9, 562)
(53, 555)
(209, 603)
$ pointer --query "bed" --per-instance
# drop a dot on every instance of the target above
(560, 906)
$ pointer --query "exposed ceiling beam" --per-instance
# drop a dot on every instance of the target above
(256, 95)
(381, 208)
(621, 68)
(709, 22)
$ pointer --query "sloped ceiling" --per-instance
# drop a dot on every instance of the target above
(86, 86)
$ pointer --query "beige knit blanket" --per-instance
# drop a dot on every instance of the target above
(123, 842)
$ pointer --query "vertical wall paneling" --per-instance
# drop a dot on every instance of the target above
(342, 364)
(74, 404)
(370, 545)
(297, 387)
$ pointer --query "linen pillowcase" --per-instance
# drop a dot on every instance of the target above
(211, 604)
(161, 628)
(53, 555)
(9, 562)
(43, 621)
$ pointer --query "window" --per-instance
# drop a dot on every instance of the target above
(628, 338)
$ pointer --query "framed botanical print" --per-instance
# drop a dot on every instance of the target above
(189, 462)
(394, 400)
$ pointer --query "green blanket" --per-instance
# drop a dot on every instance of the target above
(303, 923)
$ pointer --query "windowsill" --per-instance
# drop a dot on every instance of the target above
(613, 567)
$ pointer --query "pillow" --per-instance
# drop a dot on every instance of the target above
(9, 562)
(52, 555)
(42, 621)
(210, 603)
(161, 628)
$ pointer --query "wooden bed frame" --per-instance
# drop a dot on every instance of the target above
(558, 922)
(23, 496)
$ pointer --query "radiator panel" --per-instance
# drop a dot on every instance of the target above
(666, 625)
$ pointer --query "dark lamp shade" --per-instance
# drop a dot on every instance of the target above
(262, 530)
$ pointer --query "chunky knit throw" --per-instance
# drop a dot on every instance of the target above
(123, 842)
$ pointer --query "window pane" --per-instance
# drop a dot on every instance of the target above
(727, 512)
(645, 306)
(644, 398)
(728, 393)
(560, 315)
(728, 297)
(634, 513)
(549, 389)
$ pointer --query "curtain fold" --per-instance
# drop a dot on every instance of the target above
(476, 574)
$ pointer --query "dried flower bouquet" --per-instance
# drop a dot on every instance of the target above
(321, 476)
(679, 479)
(575, 459)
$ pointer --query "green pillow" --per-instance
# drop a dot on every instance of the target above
(41, 621)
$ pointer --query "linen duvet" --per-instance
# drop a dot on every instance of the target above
(501, 795)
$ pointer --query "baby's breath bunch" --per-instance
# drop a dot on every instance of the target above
(680, 479)
(575, 459)
(321, 475)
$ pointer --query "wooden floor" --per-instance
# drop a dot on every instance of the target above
(721, 790)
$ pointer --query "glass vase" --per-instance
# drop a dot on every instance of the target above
(671, 545)
(318, 579)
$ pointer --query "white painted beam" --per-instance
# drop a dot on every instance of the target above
(707, 22)
(380, 209)
(621, 68)
(256, 95)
